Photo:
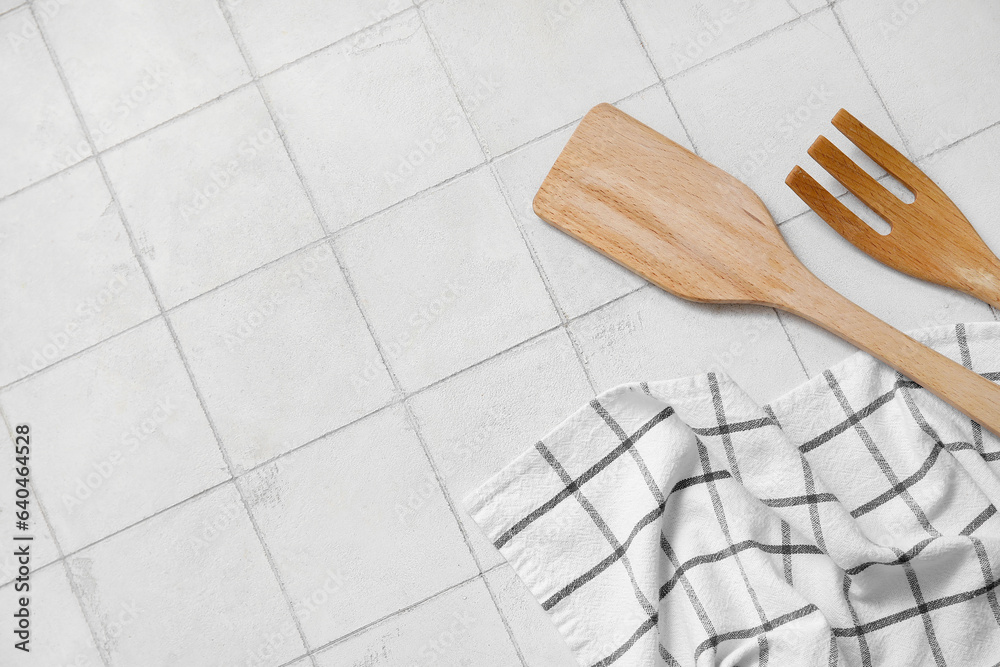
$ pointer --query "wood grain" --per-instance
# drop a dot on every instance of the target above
(930, 238)
(692, 229)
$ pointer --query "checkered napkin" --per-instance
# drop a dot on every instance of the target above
(851, 522)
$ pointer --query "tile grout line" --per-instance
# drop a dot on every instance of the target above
(799, 17)
(748, 43)
(490, 161)
(368, 626)
(328, 238)
(395, 402)
(43, 35)
(656, 71)
(398, 389)
(61, 559)
(788, 335)
(316, 242)
(352, 36)
(534, 259)
(367, 218)
(947, 147)
(173, 334)
(871, 82)
(13, 9)
(209, 102)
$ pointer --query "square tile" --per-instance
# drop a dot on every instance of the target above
(459, 627)
(43, 547)
(127, 418)
(904, 302)
(134, 65)
(342, 530)
(59, 632)
(754, 112)
(282, 356)
(211, 196)
(934, 64)
(67, 271)
(38, 127)
(651, 335)
(375, 123)
(581, 278)
(533, 630)
(479, 421)
(681, 35)
(164, 592)
(275, 33)
(524, 68)
(446, 280)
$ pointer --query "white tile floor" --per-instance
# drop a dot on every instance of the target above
(275, 299)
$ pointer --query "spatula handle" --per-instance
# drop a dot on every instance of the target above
(964, 389)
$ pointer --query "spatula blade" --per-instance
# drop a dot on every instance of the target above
(661, 211)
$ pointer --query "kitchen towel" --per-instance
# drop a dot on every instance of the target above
(851, 522)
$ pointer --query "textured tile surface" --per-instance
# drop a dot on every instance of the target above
(137, 64)
(282, 356)
(44, 546)
(125, 417)
(164, 592)
(939, 88)
(680, 36)
(73, 271)
(447, 267)
(38, 129)
(532, 629)
(276, 33)
(375, 123)
(755, 111)
(416, 139)
(524, 68)
(59, 632)
(461, 627)
(651, 334)
(511, 401)
(217, 178)
(311, 504)
(581, 279)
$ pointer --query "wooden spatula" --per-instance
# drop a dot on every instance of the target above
(692, 229)
(930, 238)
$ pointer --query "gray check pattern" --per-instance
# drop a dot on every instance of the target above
(851, 522)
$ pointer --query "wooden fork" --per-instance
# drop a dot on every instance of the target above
(930, 238)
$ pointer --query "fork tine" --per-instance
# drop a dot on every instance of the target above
(880, 151)
(857, 180)
(836, 214)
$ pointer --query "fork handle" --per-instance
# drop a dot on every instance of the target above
(962, 388)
